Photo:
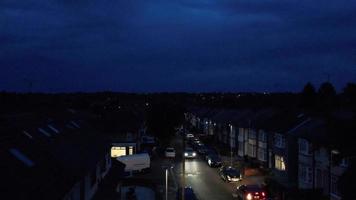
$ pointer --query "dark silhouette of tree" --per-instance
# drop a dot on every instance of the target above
(349, 94)
(162, 118)
(327, 96)
(308, 96)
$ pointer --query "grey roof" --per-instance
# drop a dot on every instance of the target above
(46, 167)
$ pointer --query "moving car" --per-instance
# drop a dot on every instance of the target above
(170, 152)
(189, 153)
(230, 174)
(250, 192)
(188, 194)
(213, 160)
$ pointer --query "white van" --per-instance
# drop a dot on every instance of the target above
(136, 162)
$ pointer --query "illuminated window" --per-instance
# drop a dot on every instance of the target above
(279, 163)
(130, 150)
(20, 156)
(118, 151)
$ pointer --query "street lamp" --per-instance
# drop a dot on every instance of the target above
(166, 170)
(230, 144)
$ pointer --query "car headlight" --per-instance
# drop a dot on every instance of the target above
(228, 178)
(194, 154)
(185, 154)
(249, 196)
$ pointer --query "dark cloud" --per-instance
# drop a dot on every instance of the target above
(202, 45)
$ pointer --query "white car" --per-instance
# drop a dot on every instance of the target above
(189, 136)
(170, 152)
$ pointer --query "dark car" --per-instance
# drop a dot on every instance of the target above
(188, 194)
(202, 149)
(250, 192)
(210, 151)
(213, 160)
(230, 174)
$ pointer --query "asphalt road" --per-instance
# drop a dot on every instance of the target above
(204, 180)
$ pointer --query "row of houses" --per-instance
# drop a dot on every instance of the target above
(294, 146)
(51, 155)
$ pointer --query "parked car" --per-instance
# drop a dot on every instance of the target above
(193, 140)
(210, 152)
(197, 144)
(250, 192)
(189, 136)
(189, 153)
(202, 149)
(188, 194)
(214, 160)
(230, 174)
(170, 152)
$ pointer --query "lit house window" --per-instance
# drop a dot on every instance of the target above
(279, 163)
(118, 151)
(279, 141)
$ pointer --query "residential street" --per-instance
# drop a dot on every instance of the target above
(204, 180)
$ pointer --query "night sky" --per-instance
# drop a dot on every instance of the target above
(176, 45)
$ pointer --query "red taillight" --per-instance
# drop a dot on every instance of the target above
(263, 194)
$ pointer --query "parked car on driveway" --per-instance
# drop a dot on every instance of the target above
(230, 174)
(213, 160)
(170, 152)
(189, 153)
(250, 192)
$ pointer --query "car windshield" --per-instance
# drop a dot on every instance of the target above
(214, 157)
(170, 150)
(232, 172)
(254, 188)
(189, 150)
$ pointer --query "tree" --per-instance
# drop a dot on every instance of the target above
(327, 96)
(349, 94)
(162, 118)
(308, 96)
